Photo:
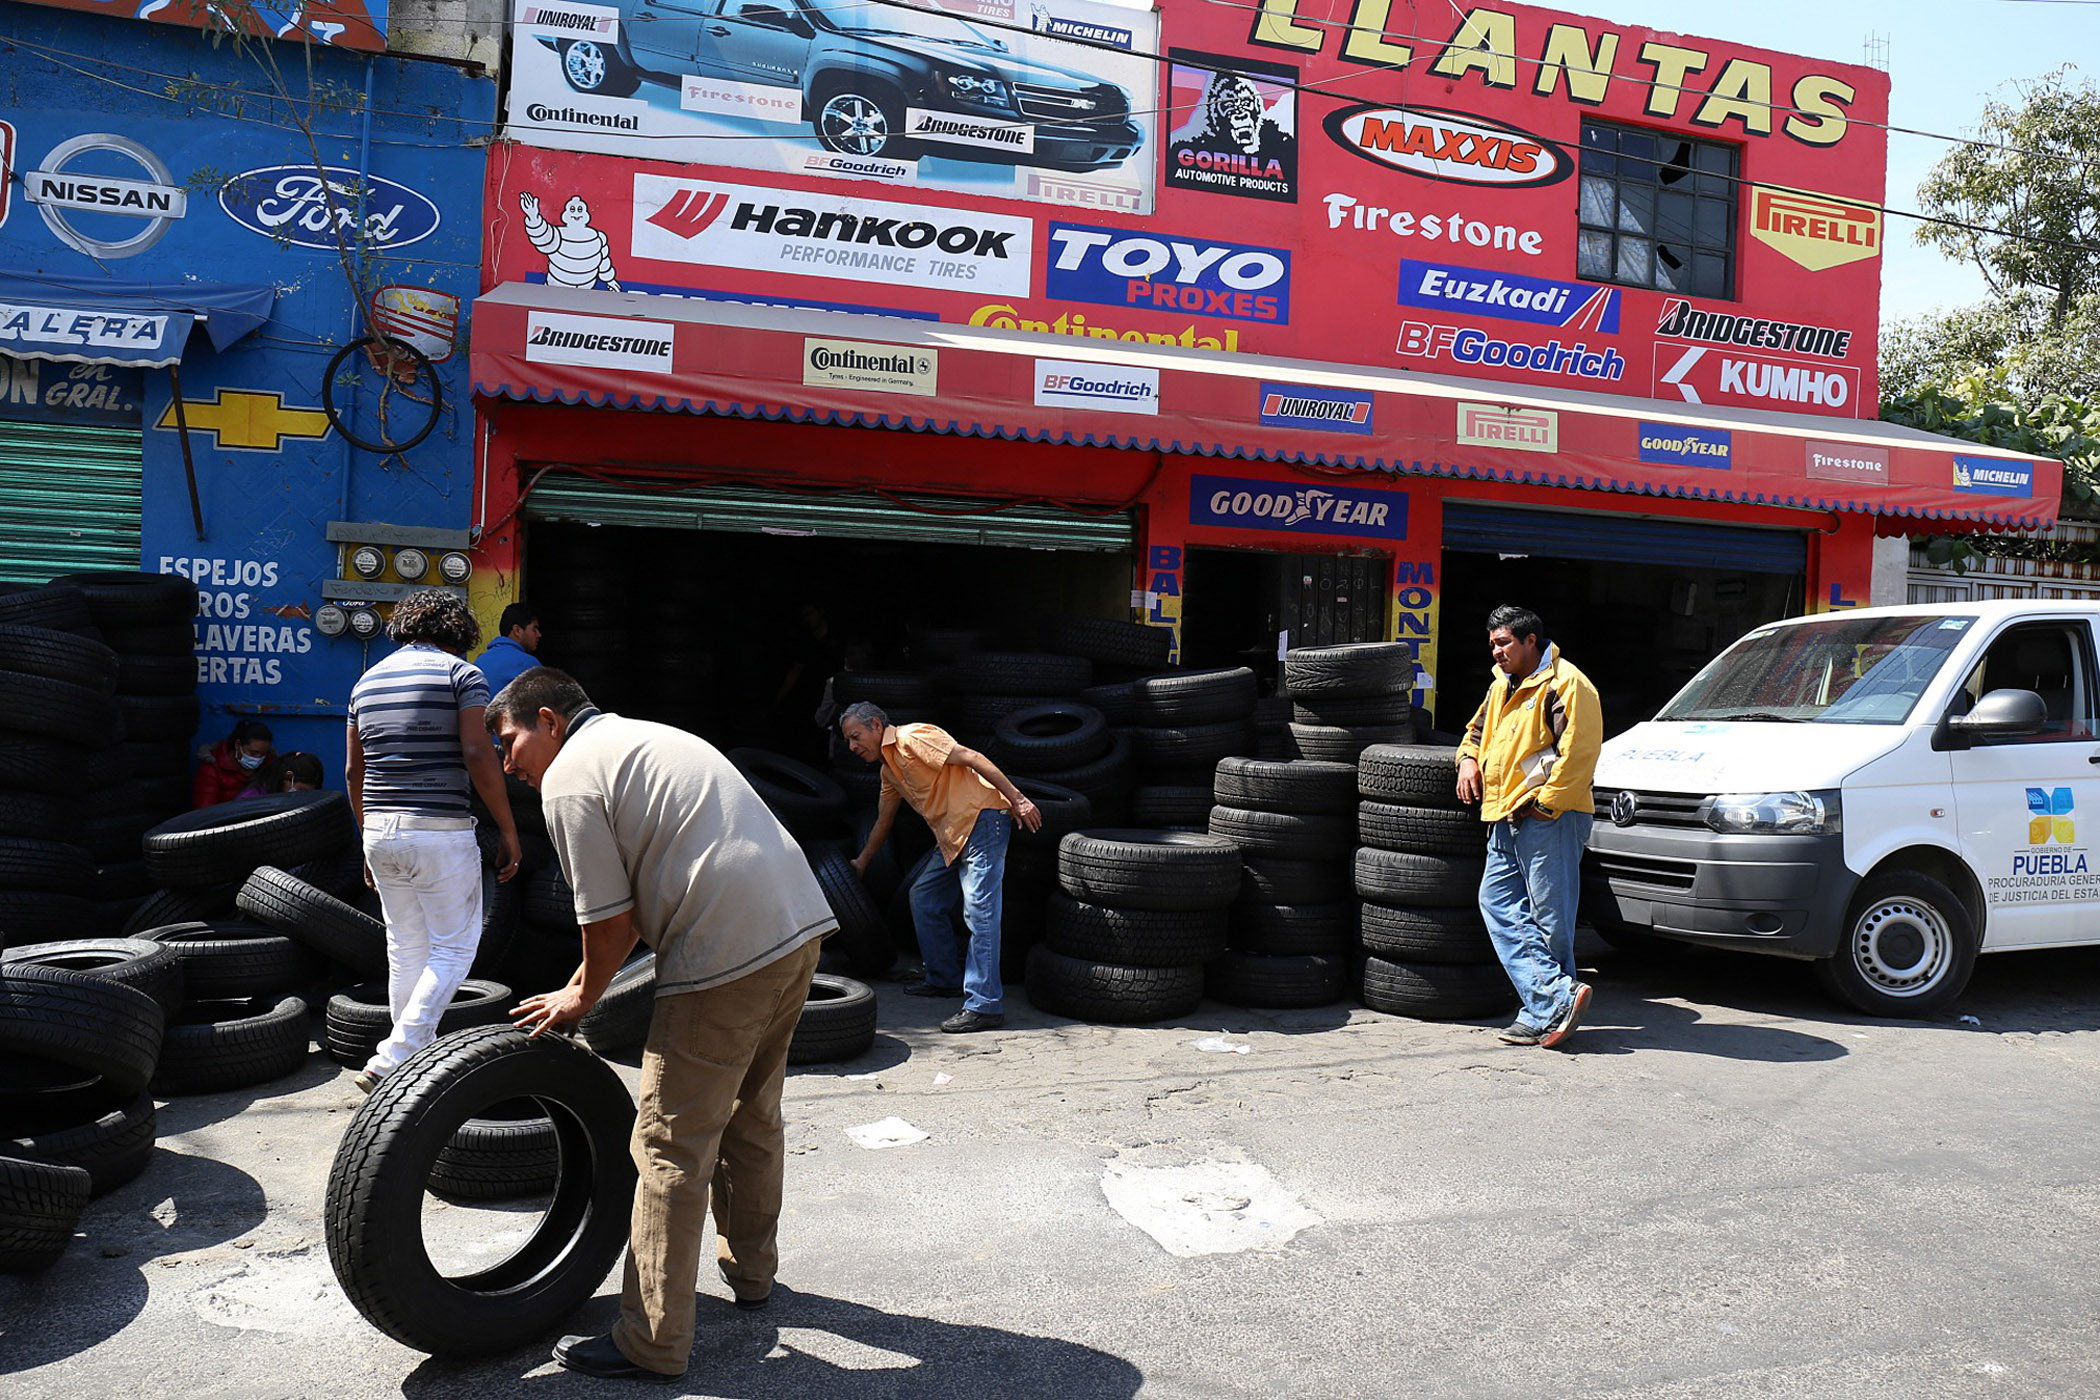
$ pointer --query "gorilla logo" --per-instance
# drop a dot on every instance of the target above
(1233, 109)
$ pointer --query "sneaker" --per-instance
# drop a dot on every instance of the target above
(927, 989)
(1569, 1019)
(963, 1022)
(365, 1082)
(1519, 1033)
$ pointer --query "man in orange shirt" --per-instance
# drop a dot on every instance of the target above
(970, 806)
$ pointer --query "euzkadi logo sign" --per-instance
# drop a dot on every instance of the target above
(1817, 231)
(598, 342)
(1102, 388)
(1703, 374)
(1509, 296)
(710, 224)
(1454, 146)
(1522, 429)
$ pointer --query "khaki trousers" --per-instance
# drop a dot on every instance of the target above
(707, 1127)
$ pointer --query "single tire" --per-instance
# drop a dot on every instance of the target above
(1333, 744)
(1304, 786)
(49, 866)
(157, 675)
(1437, 991)
(1448, 830)
(1348, 671)
(838, 1022)
(39, 764)
(326, 925)
(55, 1022)
(339, 873)
(30, 816)
(1133, 937)
(1022, 673)
(862, 117)
(60, 656)
(507, 1155)
(1354, 711)
(1285, 835)
(40, 1205)
(1063, 810)
(1192, 746)
(375, 1192)
(233, 959)
(1276, 981)
(1425, 935)
(224, 844)
(1180, 807)
(804, 798)
(1108, 641)
(1413, 775)
(1266, 880)
(1107, 992)
(1060, 734)
(620, 1020)
(159, 716)
(111, 1145)
(1409, 880)
(131, 962)
(861, 933)
(1106, 782)
(1183, 698)
(1908, 950)
(152, 639)
(61, 710)
(1117, 702)
(58, 606)
(1132, 869)
(218, 1045)
(1287, 930)
(358, 1017)
(212, 904)
(131, 598)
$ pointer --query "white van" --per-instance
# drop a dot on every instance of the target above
(1887, 791)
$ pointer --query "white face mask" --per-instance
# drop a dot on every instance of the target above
(251, 761)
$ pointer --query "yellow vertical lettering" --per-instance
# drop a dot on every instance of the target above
(1276, 25)
(1742, 93)
(1672, 66)
(1820, 101)
(1486, 40)
(1588, 70)
(1367, 42)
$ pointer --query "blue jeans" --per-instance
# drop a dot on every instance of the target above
(1528, 897)
(975, 880)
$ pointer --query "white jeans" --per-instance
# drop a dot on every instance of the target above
(429, 884)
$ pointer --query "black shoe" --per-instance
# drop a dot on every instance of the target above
(963, 1022)
(927, 989)
(598, 1356)
(1519, 1033)
(753, 1304)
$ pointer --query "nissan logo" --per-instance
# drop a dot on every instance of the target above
(64, 195)
(1624, 808)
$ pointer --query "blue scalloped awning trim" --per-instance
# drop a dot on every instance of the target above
(955, 427)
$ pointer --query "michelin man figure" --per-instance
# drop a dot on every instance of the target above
(577, 254)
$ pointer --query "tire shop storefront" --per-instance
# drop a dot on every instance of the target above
(1611, 353)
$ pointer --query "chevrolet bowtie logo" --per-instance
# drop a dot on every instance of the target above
(249, 420)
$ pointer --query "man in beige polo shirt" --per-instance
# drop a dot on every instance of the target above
(971, 807)
(663, 840)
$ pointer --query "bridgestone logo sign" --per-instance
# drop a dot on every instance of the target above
(598, 342)
(798, 232)
(847, 364)
(968, 131)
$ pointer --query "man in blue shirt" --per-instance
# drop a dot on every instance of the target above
(513, 652)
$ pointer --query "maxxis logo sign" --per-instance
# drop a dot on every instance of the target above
(1453, 146)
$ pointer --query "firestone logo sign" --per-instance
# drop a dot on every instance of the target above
(1320, 410)
(1509, 296)
(1847, 461)
(1453, 146)
(1518, 429)
(1818, 231)
(1114, 267)
(1236, 503)
(1993, 476)
(1101, 388)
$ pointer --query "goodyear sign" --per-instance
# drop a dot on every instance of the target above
(1673, 444)
(1297, 508)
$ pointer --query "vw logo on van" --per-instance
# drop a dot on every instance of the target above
(1625, 807)
(306, 205)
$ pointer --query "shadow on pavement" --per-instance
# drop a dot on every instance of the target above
(807, 1344)
(189, 1112)
(85, 1299)
(887, 1052)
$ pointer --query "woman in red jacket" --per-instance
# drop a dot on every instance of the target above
(229, 765)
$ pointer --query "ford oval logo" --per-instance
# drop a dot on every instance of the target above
(1625, 807)
(1455, 146)
(306, 205)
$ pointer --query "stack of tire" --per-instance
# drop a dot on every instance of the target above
(986, 686)
(1418, 871)
(1346, 698)
(1186, 722)
(1293, 926)
(1037, 747)
(1137, 917)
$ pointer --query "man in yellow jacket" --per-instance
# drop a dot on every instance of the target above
(1527, 759)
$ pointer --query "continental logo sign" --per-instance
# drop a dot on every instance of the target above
(1817, 231)
(1002, 317)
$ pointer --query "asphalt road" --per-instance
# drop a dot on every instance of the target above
(1727, 1187)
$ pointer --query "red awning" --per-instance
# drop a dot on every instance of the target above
(559, 344)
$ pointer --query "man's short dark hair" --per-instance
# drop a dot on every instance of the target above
(866, 713)
(435, 616)
(516, 615)
(1521, 622)
(541, 688)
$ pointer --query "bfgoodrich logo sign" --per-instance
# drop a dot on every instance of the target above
(1306, 510)
(1102, 388)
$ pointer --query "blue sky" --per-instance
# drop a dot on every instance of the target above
(1945, 59)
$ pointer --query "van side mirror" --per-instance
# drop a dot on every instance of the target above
(2001, 714)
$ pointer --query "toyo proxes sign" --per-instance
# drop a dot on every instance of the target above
(1237, 503)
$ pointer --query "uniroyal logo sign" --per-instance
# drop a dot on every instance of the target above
(1815, 230)
(1521, 429)
(816, 235)
(1454, 146)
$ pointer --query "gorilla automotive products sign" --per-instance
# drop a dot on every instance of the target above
(902, 93)
(1241, 135)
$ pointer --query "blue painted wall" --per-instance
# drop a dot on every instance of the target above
(209, 113)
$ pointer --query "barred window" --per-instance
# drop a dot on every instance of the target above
(1657, 211)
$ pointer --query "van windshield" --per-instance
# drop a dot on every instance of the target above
(1843, 670)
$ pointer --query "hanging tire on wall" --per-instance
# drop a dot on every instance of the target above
(862, 933)
(374, 1201)
(409, 398)
(40, 1205)
(837, 1023)
(217, 1045)
(224, 844)
(358, 1017)
(55, 1023)
(1109, 992)
(324, 924)
(1436, 991)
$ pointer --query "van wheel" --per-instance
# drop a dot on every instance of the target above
(1909, 947)
(863, 122)
(597, 69)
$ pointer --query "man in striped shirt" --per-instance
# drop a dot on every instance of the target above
(416, 739)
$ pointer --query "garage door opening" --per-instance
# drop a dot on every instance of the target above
(1242, 604)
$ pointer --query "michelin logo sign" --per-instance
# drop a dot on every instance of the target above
(1672, 444)
(1308, 510)
(1993, 476)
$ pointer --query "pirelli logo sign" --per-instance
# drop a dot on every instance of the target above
(1815, 230)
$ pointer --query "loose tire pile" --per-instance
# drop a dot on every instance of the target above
(1426, 948)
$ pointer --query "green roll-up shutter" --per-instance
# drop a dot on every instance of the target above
(69, 499)
(925, 519)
